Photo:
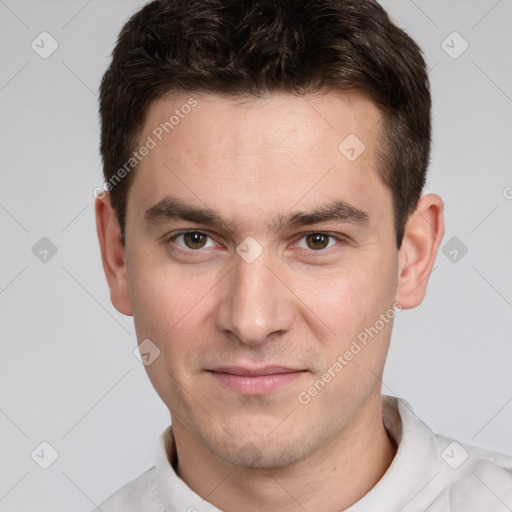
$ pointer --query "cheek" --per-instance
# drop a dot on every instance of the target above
(355, 346)
(161, 295)
(349, 297)
(167, 312)
(350, 303)
(170, 308)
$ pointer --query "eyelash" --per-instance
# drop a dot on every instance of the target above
(340, 239)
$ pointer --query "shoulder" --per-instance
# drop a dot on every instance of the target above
(475, 478)
(139, 494)
(435, 473)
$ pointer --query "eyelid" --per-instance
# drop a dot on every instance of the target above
(340, 238)
(337, 236)
(175, 234)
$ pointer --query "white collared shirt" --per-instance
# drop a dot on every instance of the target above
(429, 473)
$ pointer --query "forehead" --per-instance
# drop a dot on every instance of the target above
(252, 156)
(276, 123)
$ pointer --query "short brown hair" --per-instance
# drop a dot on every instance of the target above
(255, 47)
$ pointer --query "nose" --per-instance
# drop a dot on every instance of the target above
(256, 304)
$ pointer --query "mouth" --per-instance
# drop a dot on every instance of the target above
(255, 381)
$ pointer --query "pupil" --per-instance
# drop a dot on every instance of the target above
(194, 240)
(317, 241)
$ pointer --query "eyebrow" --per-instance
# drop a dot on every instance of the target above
(172, 208)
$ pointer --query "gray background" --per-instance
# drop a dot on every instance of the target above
(67, 372)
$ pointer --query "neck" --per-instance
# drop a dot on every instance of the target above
(337, 476)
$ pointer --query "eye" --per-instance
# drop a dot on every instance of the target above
(192, 240)
(316, 241)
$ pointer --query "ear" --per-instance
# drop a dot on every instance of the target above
(423, 234)
(112, 254)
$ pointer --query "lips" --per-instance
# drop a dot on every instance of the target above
(255, 381)
(255, 372)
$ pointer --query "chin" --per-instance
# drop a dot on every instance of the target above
(262, 453)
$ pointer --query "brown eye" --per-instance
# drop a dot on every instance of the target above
(194, 239)
(317, 241)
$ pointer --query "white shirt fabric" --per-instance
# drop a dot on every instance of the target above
(429, 473)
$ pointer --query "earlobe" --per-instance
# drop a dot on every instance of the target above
(112, 254)
(423, 234)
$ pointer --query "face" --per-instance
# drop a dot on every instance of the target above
(259, 252)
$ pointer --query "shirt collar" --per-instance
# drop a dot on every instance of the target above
(414, 467)
(175, 493)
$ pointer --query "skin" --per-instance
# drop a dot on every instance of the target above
(252, 162)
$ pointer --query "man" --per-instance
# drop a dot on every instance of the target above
(264, 223)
